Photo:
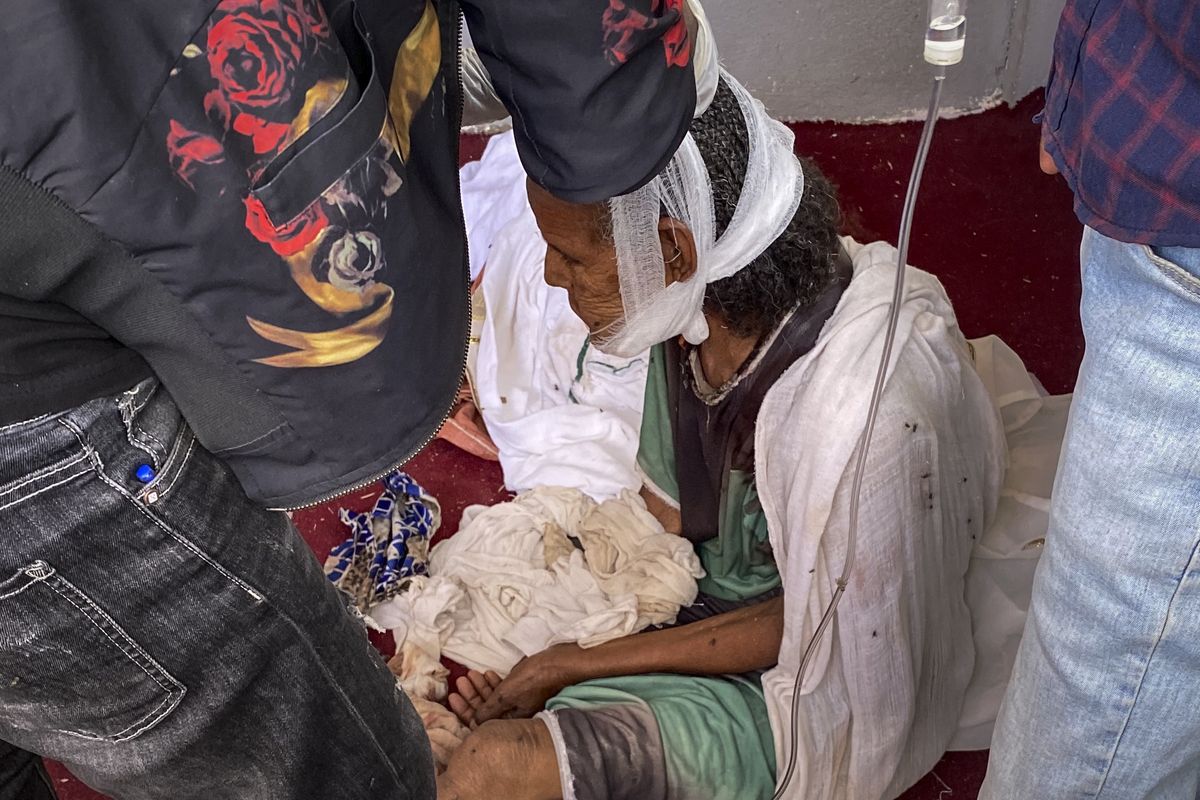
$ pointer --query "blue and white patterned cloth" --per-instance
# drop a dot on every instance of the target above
(388, 547)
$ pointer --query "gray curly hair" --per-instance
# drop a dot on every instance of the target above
(800, 264)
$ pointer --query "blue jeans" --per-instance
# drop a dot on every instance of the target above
(1105, 696)
(172, 640)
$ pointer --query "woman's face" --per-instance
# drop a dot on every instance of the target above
(579, 258)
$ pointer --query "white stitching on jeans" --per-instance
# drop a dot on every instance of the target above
(137, 437)
(99, 612)
(184, 433)
(155, 716)
(301, 633)
(130, 397)
(1145, 667)
(176, 690)
(1175, 273)
(182, 540)
(15, 592)
(169, 465)
(129, 409)
(142, 725)
(137, 408)
(182, 464)
(39, 475)
(143, 435)
(23, 423)
(98, 466)
(55, 485)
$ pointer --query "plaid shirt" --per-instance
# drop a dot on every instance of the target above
(1122, 117)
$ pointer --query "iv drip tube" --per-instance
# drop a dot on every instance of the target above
(910, 200)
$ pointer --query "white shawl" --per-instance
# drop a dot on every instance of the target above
(883, 696)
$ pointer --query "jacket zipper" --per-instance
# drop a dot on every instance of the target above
(462, 223)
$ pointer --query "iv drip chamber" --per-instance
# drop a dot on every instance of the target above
(945, 37)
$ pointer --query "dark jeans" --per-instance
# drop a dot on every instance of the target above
(23, 775)
(172, 640)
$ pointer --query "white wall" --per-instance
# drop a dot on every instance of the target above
(860, 60)
(1036, 43)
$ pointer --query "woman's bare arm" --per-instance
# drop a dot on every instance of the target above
(735, 642)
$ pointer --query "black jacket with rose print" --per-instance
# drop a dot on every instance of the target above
(256, 202)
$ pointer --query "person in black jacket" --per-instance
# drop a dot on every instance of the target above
(233, 278)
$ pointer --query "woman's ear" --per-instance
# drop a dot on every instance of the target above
(679, 250)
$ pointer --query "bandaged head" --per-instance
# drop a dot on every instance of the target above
(770, 195)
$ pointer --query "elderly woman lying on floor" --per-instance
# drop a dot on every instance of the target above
(767, 334)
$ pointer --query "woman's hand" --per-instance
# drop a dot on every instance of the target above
(730, 643)
(1046, 161)
(531, 684)
(522, 694)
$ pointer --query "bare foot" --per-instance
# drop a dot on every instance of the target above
(473, 691)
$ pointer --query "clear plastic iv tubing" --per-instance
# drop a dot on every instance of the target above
(910, 200)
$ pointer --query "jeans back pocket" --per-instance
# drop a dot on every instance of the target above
(66, 666)
(1181, 265)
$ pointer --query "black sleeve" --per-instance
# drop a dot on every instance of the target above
(601, 92)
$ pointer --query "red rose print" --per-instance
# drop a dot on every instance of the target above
(258, 52)
(620, 24)
(625, 27)
(265, 135)
(676, 40)
(290, 238)
(216, 107)
(189, 150)
(254, 50)
(314, 18)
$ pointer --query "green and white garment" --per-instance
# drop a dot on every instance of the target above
(911, 652)
(670, 737)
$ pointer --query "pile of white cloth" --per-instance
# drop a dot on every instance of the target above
(559, 412)
(551, 566)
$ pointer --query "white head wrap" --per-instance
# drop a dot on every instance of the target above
(705, 59)
(769, 198)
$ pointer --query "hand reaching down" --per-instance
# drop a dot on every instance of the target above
(474, 690)
(1046, 161)
(522, 694)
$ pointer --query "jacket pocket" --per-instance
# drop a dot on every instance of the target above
(66, 666)
(308, 169)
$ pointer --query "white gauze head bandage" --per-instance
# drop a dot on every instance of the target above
(771, 193)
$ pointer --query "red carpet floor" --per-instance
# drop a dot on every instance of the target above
(999, 234)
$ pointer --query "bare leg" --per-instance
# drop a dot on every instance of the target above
(511, 759)
(501, 758)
